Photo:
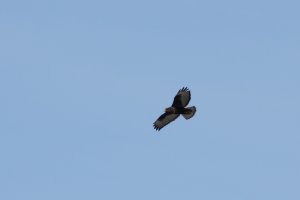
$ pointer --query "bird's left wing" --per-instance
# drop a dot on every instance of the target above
(163, 120)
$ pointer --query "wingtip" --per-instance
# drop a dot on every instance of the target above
(155, 127)
(184, 89)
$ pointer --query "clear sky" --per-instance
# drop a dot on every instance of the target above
(81, 83)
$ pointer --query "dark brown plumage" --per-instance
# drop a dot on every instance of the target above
(178, 107)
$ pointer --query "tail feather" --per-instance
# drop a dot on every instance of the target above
(189, 112)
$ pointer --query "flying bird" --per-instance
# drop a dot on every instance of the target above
(178, 107)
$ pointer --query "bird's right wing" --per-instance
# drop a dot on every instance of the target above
(182, 98)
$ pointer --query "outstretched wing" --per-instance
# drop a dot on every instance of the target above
(163, 120)
(182, 98)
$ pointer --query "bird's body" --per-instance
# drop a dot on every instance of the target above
(178, 108)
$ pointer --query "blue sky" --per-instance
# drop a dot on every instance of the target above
(82, 82)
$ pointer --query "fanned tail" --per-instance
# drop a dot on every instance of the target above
(189, 112)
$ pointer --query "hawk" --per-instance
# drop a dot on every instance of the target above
(178, 107)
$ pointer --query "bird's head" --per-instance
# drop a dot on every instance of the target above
(170, 110)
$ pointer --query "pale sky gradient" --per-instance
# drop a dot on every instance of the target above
(81, 83)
